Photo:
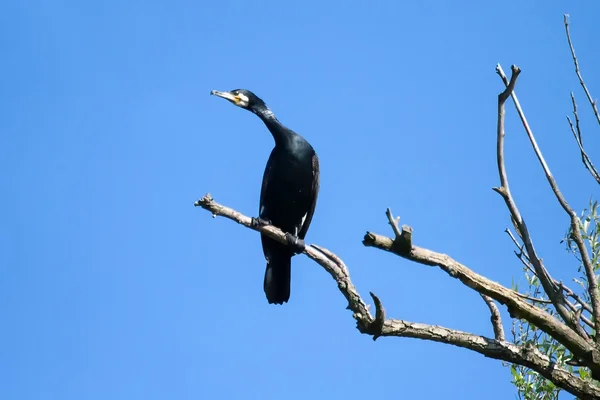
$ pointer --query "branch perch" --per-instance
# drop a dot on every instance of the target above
(332, 264)
(380, 326)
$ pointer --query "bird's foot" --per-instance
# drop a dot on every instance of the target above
(258, 222)
(295, 243)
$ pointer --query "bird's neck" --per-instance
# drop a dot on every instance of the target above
(280, 133)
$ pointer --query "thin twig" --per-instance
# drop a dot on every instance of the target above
(575, 297)
(555, 296)
(393, 222)
(534, 299)
(593, 102)
(576, 130)
(523, 258)
(568, 292)
(495, 318)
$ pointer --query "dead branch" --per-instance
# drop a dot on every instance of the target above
(495, 318)
(517, 307)
(576, 131)
(380, 326)
(542, 273)
(575, 297)
(593, 102)
(567, 291)
(551, 290)
(333, 265)
(534, 299)
(527, 356)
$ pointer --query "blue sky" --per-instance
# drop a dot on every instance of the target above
(112, 285)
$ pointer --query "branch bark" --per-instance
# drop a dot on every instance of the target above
(529, 357)
(380, 326)
(495, 318)
(517, 307)
(331, 263)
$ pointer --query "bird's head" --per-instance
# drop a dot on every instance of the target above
(242, 98)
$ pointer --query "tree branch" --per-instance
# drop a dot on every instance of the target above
(523, 258)
(555, 295)
(495, 318)
(331, 263)
(527, 356)
(380, 326)
(517, 307)
(593, 103)
(576, 130)
(504, 190)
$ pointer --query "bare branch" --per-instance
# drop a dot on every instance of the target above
(576, 130)
(556, 296)
(593, 102)
(534, 299)
(380, 326)
(517, 307)
(575, 297)
(393, 222)
(377, 325)
(495, 318)
(504, 190)
(332, 265)
(568, 292)
(527, 356)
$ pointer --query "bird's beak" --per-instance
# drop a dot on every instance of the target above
(226, 95)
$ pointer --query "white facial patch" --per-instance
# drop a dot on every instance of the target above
(243, 100)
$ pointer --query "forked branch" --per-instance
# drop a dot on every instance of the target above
(542, 273)
(517, 306)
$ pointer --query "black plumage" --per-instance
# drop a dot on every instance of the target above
(288, 196)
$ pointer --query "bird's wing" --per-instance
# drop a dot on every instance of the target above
(263, 189)
(314, 195)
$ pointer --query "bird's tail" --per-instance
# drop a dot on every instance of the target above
(278, 277)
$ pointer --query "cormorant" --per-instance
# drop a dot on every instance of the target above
(288, 196)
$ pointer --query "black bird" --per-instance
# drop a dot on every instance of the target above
(288, 196)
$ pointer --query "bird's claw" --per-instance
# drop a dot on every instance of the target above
(295, 243)
(258, 222)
